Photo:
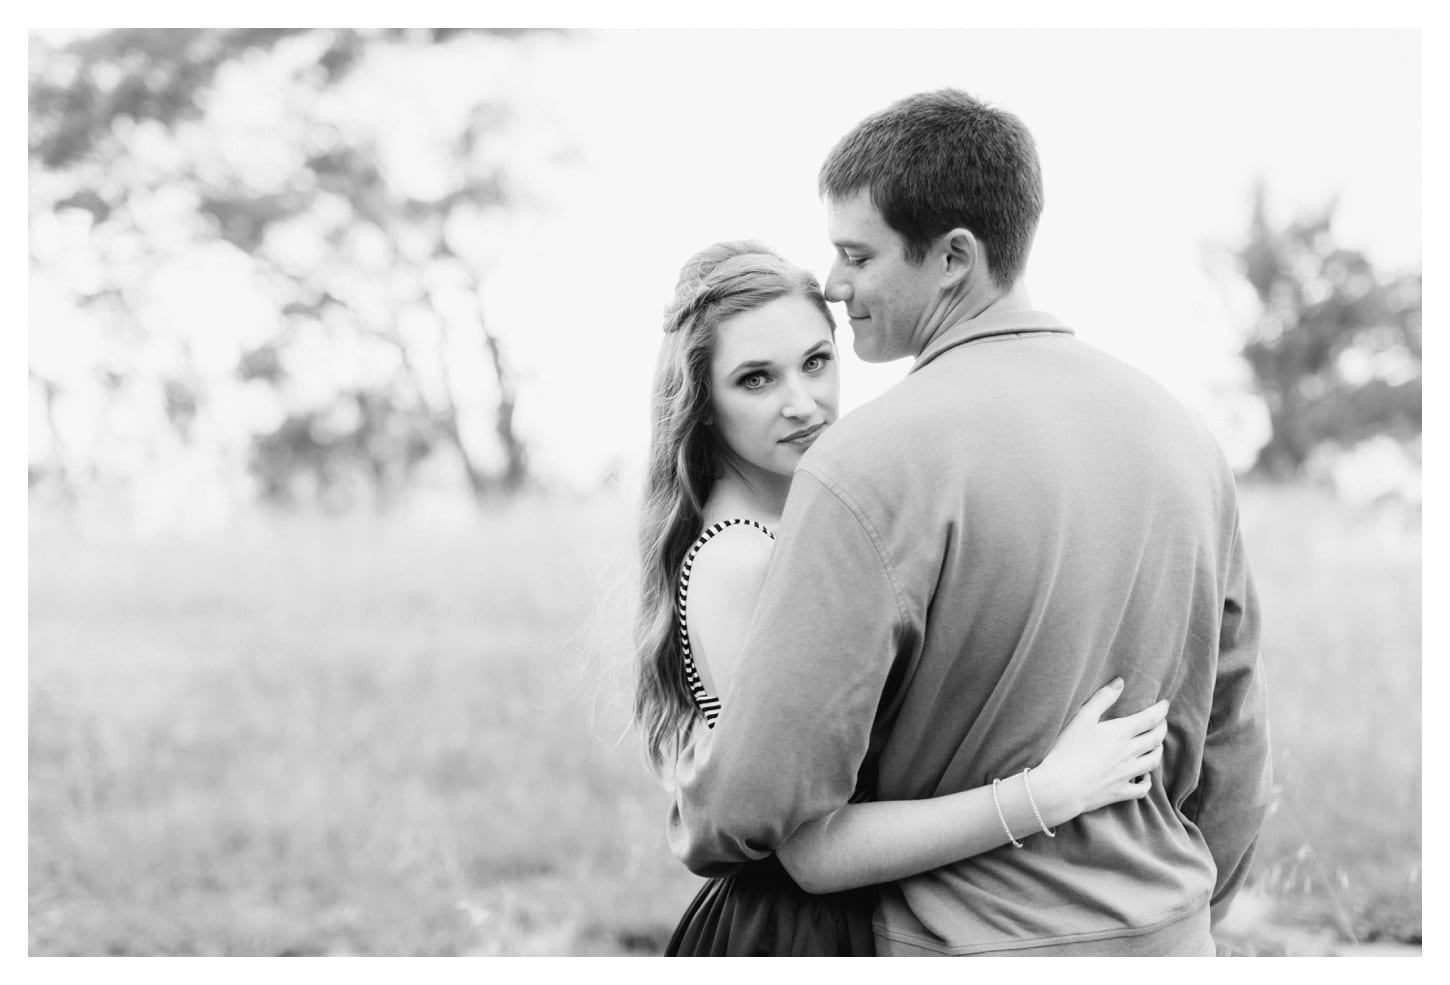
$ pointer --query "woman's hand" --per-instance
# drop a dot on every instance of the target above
(1094, 763)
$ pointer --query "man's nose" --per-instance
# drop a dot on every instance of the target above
(837, 287)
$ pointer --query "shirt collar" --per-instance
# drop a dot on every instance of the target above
(985, 325)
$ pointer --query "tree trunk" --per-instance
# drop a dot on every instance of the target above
(61, 474)
(516, 469)
(446, 418)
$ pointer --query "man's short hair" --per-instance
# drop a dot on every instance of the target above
(939, 160)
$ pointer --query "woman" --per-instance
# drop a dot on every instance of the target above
(747, 379)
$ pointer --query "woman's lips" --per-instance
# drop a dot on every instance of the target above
(805, 436)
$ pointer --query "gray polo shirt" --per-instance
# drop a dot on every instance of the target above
(962, 562)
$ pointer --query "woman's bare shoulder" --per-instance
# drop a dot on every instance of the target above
(724, 587)
(728, 570)
(733, 553)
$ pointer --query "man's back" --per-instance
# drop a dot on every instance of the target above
(1051, 519)
(961, 563)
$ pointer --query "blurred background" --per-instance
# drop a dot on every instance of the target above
(340, 344)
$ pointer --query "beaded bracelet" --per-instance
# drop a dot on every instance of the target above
(1003, 817)
(1050, 832)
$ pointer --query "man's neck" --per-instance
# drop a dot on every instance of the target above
(953, 310)
(1013, 299)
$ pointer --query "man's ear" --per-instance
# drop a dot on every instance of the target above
(961, 256)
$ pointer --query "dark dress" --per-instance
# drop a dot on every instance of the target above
(758, 910)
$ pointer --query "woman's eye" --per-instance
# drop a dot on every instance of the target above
(817, 362)
(754, 381)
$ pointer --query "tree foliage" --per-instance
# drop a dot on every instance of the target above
(139, 132)
(1336, 349)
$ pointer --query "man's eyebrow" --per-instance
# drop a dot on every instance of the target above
(849, 244)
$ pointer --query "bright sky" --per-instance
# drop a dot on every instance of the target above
(1150, 141)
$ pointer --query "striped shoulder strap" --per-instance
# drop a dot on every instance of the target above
(708, 704)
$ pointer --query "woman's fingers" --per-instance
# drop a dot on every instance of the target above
(1151, 739)
(1140, 771)
(1148, 762)
(1135, 788)
(1147, 718)
(1102, 700)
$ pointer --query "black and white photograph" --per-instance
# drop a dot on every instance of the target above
(659, 491)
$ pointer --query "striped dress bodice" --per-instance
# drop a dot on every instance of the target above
(709, 704)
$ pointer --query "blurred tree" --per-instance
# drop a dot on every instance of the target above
(279, 144)
(1335, 351)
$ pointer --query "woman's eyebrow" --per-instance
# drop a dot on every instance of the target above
(751, 364)
(766, 363)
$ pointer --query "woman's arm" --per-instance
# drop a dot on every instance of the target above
(1092, 764)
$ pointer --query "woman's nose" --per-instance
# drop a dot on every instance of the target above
(798, 400)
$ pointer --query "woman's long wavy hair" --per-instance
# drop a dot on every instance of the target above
(720, 281)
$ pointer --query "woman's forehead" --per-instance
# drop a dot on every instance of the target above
(781, 330)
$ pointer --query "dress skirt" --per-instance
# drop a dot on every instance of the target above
(760, 911)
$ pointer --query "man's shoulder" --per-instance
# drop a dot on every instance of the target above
(879, 429)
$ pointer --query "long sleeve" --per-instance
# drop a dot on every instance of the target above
(797, 721)
(1236, 781)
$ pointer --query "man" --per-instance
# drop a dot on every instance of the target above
(964, 560)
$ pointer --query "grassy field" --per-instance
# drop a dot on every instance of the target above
(1341, 598)
(363, 738)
